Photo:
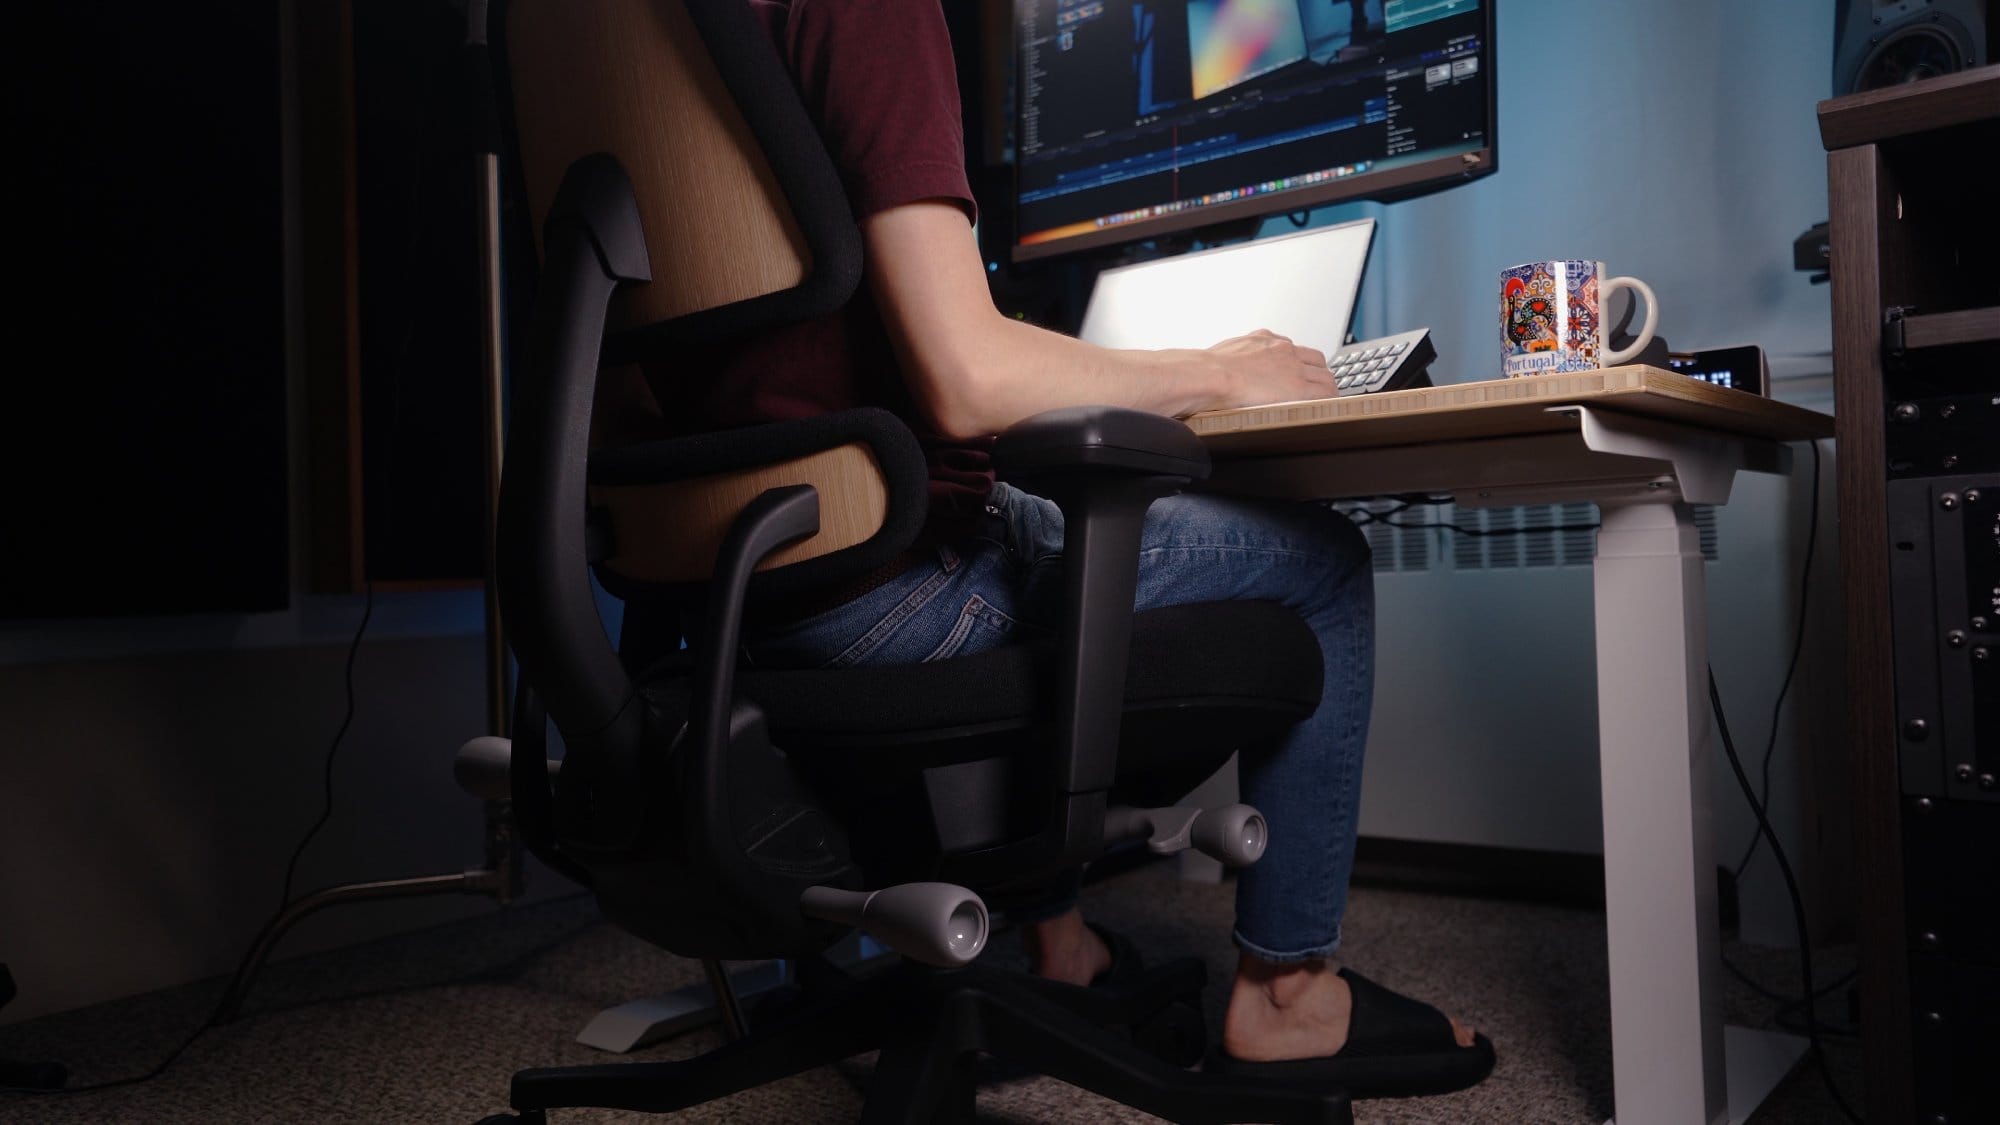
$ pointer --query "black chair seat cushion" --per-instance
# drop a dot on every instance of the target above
(1210, 676)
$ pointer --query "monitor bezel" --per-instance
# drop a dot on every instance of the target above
(1386, 185)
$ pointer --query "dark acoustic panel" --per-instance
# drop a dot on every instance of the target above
(142, 432)
(422, 465)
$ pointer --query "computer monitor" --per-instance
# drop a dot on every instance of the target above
(1140, 118)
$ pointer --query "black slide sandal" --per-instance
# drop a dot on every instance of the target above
(1396, 1048)
(1126, 963)
(1127, 970)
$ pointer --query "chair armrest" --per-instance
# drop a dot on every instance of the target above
(592, 244)
(1103, 466)
(1099, 439)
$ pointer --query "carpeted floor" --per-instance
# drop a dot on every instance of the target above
(428, 1027)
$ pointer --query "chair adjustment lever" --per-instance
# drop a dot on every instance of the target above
(1232, 834)
(939, 924)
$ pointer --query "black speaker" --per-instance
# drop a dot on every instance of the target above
(1880, 43)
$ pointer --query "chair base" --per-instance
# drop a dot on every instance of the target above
(650, 1019)
(931, 1026)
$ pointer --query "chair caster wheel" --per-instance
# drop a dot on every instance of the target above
(1176, 1034)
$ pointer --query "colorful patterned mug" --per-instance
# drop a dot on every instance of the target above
(1550, 322)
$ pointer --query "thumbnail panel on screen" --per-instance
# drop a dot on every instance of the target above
(1130, 111)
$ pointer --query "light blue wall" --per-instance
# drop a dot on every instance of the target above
(1675, 141)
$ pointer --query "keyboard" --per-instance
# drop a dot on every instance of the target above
(1388, 363)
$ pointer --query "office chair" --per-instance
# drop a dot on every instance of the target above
(725, 811)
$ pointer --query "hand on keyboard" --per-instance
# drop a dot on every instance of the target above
(1268, 367)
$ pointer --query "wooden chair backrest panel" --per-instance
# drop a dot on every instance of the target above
(671, 532)
(632, 78)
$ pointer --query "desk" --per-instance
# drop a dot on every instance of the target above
(1644, 445)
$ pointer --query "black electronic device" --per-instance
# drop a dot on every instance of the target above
(1879, 43)
(1935, 434)
(1812, 252)
(1944, 571)
(1741, 368)
(1141, 118)
(1388, 363)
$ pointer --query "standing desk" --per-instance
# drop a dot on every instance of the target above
(1645, 445)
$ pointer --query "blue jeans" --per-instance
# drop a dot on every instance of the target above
(1289, 905)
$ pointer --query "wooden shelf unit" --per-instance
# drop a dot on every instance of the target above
(1913, 250)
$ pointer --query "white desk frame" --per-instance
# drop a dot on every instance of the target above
(1673, 1062)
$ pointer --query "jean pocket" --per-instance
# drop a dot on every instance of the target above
(876, 645)
(979, 627)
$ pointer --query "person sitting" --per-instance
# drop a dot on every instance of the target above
(923, 338)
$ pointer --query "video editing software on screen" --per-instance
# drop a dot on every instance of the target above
(1131, 110)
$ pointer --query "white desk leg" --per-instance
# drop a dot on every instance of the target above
(1659, 867)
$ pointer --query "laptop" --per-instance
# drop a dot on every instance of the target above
(1302, 286)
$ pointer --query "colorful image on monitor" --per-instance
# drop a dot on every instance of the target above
(1234, 41)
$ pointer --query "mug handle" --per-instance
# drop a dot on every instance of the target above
(1612, 285)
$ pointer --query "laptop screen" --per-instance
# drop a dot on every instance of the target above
(1300, 285)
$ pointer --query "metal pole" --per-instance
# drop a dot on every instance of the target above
(502, 876)
(492, 340)
(486, 187)
(470, 882)
(503, 845)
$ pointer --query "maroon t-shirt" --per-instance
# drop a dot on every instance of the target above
(876, 77)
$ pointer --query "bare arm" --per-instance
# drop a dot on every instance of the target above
(975, 372)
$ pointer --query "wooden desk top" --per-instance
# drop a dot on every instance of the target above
(1498, 408)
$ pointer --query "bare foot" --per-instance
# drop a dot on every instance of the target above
(1296, 1010)
(1064, 949)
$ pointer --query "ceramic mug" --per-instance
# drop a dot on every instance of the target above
(1550, 322)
